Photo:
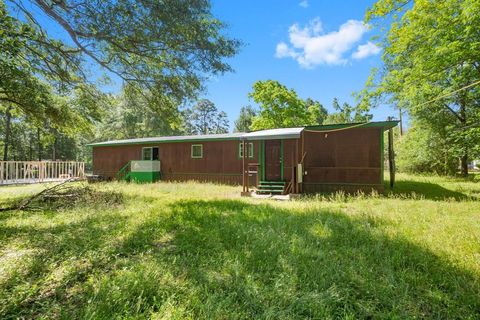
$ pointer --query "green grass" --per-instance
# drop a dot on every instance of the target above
(180, 251)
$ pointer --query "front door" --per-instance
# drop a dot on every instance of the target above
(273, 160)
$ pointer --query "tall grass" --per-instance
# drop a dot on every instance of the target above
(191, 250)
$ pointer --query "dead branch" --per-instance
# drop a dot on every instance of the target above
(27, 201)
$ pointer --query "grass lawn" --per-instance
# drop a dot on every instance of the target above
(180, 251)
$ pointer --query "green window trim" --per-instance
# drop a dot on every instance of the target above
(250, 150)
(194, 153)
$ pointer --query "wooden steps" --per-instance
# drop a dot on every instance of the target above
(271, 187)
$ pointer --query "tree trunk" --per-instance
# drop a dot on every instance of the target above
(39, 145)
(8, 120)
(30, 148)
(464, 157)
(54, 149)
(464, 164)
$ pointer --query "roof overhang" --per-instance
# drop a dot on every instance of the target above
(385, 125)
(273, 134)
(154, 140)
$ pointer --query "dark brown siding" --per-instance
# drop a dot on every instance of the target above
(108, 160)
(290, 158)
(348, 159)
(220, 162)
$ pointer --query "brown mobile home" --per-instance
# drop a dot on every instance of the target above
(287, 160)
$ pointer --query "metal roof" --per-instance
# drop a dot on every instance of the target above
(344, 126)
(280, 133)
(204, 137)
(283, 133)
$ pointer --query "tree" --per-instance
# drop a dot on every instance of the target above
(27, 79)
(131, 114)
(204, 118)
(8, 132)
(318, 113)
(431, 50)
(347, 114)
(161, 50)
(245, 119)
(425, 149)
(221, 123)
(280, 107)
(166, 48)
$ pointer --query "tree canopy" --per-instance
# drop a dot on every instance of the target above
(245, 119)
(281, 107)
(205, 118)
(166, 47)
(432, 48)
(347, 113)
(161, 51)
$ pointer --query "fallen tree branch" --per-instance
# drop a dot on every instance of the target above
(27, 201)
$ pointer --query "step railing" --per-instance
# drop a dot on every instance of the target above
(123, 172)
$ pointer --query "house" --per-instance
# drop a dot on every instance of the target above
(287, 160)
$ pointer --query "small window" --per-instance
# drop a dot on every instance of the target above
(197, 151)
(249, 151)
(150, 153)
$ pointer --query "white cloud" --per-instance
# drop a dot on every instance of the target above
(311, 46)
(366, 50)
(303, 4)
(283, 51)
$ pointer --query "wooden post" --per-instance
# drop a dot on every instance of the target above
(302, 136)
(401, 121)
(391, 157)
(243, 165)
(245, 156)
(296, 166)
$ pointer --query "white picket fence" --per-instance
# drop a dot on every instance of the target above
(17, 172)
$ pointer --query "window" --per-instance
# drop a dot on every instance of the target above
(249, 151)
(150, 153)
(197, 151)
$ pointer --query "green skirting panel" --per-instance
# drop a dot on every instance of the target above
(143, 177)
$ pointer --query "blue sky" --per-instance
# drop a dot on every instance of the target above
(320, 67)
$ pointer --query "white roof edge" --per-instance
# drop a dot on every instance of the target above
(269, 134)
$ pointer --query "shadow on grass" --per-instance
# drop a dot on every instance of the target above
(232, 259)
(53, 260)
(431, 191)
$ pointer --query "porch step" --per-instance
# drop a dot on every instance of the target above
(271, 187)
(274, 187)
(273, 182)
